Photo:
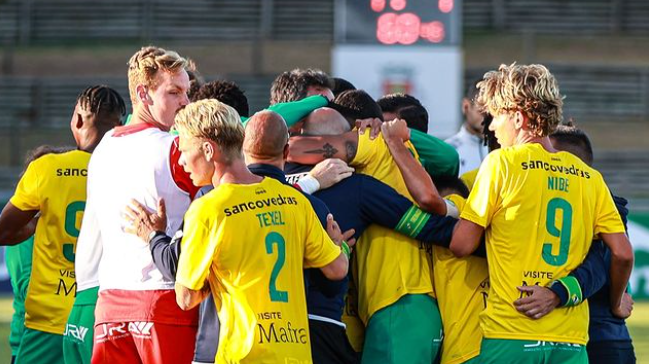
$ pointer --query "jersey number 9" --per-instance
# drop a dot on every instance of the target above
(564, 233)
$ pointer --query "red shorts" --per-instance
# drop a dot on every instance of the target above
(143, 327)
(143, 342)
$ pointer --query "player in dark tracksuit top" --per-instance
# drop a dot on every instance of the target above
(356, 202)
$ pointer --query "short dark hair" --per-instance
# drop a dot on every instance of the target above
(196, 80)
(451, 185)
(394, 102)
(415, 116)
(489, 137)
(472, 90)
(341, 85)
(102, 101)
(226, 92)
(574, 140)
(293, 85)
(356, 104)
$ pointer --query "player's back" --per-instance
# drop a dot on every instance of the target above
(55, 184)
(542, 210)
(129, 166)
(390, 265)
(265, 234)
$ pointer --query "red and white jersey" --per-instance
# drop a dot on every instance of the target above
(137, 162)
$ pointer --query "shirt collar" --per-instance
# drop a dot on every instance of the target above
(266, 170)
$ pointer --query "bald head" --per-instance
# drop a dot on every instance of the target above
(325, 121)
(266, 137)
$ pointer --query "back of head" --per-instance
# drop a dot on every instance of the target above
(227, 92)
(472, 91)
(212, 120)
(448, 185)
(571, 139)
(357, 104)
(415, 116)
(40, 151)
(145, 64)
(325, 121)
(104, 103)
(530, 89)
(266, 136)
(394, 102)
(407, 107)
(341, 85)
(294, 85)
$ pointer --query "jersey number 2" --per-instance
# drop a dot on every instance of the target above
(564, 233)
(274, 238)
(71, 227)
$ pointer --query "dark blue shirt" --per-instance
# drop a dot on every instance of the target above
(357, 202)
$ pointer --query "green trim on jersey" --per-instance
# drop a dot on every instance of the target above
(412, 222)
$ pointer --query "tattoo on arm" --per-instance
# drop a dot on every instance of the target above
(350, 150)
(327, 151)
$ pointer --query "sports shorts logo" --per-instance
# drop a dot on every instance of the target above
(77, 332)
(140, 328)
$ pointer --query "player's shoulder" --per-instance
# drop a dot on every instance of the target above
(61, 160)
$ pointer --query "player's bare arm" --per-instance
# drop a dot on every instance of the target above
(16, 225)
(417, 180)
(314, 149)
(187, 298)
(621, 265)
(466, 238)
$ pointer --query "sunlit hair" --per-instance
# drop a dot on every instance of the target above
(530, 89)
(145, 64)
(212, 120)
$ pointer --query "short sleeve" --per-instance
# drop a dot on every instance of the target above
(365, 150)
(197, 247)
(607, 220)
(319, 249)
(485, 195)
(26, 196)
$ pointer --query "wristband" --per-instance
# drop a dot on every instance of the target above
(451, 209)
(571, 284)
(346, 249)
(309, 184)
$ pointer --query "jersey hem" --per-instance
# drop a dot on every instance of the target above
(463, 358)
(49, 330)
(533, 337)
(387, 302)
(473, 218)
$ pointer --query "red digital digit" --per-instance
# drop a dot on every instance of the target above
(433, 31)
(445, 6)
(385, 28)
(377, 5)
(408, 26)
(398, 5)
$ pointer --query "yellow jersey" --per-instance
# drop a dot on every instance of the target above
(540, 211)
(469, 178)
(390, 265)
(252, 242)
(462, 287)
(55, 185)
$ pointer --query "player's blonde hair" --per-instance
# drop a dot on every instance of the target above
(213, 120)
(145, 64)
(530, 89)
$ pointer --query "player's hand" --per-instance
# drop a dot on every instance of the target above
(625, 308)
(396, 129)
(373, 123)
(539, 302)
(334, 232)
(142, 222)
(331, 171)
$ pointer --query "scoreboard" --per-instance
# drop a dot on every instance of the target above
(398, 22)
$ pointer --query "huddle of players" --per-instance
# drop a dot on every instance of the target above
(139, 293)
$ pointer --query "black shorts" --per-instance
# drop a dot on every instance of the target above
(329, 344)
(611, 352)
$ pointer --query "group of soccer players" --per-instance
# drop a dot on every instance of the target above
(328, 228)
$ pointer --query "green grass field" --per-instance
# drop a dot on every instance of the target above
(638, 324)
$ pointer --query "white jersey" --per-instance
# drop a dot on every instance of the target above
(132, 162)
(470, 148)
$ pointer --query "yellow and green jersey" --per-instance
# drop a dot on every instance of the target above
(55, 185)
(540, 211)
(462, 287)
(252, 242)
(390, 265)
(469, 178)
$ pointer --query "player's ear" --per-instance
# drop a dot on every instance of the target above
(286, 151)
(520, 120)
(208, 150)
(142, 94)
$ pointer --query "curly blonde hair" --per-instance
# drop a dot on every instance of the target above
(212, 120)
(530, 89)
(145, 64)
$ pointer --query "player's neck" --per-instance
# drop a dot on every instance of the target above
(236, 172)
(142, 115)
(275, 162)
(527, 138)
